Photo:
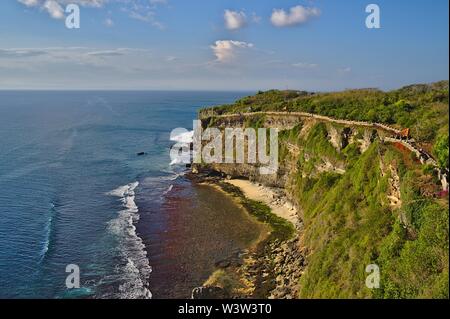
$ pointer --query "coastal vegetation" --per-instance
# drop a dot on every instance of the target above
(349, 225)
(423, 108)
(363, 202)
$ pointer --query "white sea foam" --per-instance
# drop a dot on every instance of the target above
(134, 286)
(122, 191)
(182, 136)
(183, 158)
(168, 190)
(173, 176)
(48, 230)
(136, 272)
(180, 160)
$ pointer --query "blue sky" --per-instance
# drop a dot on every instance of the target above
(316, 45)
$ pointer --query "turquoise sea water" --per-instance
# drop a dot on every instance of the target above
(74, 191)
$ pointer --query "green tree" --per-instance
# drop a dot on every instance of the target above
(441, 150)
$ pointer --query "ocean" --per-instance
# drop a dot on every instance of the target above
(75, 192)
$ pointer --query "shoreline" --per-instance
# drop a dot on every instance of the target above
(263, 271)
(196, 229)
(263, 235)
(274, 198)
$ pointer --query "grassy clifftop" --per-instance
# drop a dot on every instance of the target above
(421, 107)
(381, 210)
(349, 224)
(365, 203)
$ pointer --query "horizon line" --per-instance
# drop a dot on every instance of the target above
(209, 90)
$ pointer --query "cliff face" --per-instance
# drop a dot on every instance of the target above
(363, 199)
(296, 145)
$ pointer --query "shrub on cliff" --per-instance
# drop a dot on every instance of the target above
(441, 150)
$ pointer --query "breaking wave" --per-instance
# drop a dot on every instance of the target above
(136, 271)
(184, 139)
(182, 136)
(48, 233)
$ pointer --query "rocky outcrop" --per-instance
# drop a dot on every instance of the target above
(335, 137)
(367, 139)
(338, 135)
(327, 166)
(252, 173)
(393, 194)
(276, 272)
(340, 132)
(288, 265)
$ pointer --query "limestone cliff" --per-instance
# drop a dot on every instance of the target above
(356, 187)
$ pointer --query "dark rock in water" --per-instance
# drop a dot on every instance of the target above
(209, 293)
(141, 153)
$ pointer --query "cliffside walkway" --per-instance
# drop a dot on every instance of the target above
(308, 115)
(423, 156)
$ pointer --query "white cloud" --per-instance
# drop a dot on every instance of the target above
(226, 50)
(235, 20)
(72, 53)
(85, 3)
(49, 66)
(345, 70)
(303, 65)
(143, 10)
(109, 22)
(256, 18)
(156, 2)
(148, 17)
(296, 15)
(21, 53)
(106, 53)
(54, 9)
(29, 3)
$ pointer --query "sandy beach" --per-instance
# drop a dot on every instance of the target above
(277, 202)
